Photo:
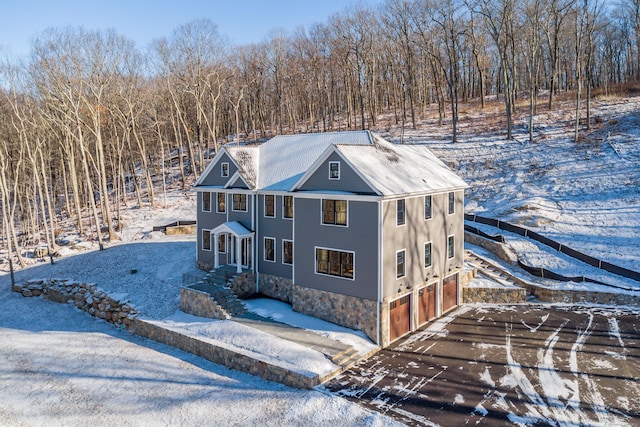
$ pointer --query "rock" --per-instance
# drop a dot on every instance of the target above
(27, 293)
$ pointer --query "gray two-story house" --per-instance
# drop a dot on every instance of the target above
(344, 226)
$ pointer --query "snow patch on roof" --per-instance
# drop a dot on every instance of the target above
(247, 158)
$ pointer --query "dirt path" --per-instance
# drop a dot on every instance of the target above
(528, 365)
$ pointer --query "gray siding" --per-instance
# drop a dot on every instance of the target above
(208, 221)
(414, 234)
(349, 180)
(360, 237)
(278, 228)
(215, 176)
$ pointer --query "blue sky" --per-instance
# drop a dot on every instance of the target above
(242, 21)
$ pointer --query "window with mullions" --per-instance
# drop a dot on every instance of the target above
(222, 243)
(270, 249)
(452, 203)
(206, 240)
(287, 252)
(428, 210)
(269, 205)
(334, 170)
(334, 212)
(400, 211)
(334, 263)
(206, 201)
(224, 170)
(222, 202)
(451, 247)
(287, 204)
(400, 259)
(428, 260)
(240, 202)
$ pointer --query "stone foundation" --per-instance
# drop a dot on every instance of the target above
(87, 297)
(502, 295)
(201, 304)
(244, 285)
(276, 287)
(344, 310)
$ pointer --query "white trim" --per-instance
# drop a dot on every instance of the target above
(430, 242)
(233, 203)
(315, 261)
(337, 178)
(264, 205)
(218, 203)
(222, 171)
(329, 224)
(202, 200)
(292, 207)
(424, 209)
(264, 247)
(202, 241)
(234, 178)
(283, 257)
(404, 213)
(380, 268)
(404, 264)
(453, 246)
(212, 164)
(435, 303)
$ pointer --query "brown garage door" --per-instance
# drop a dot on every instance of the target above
(426, 304)
(399, 317)
(449, 292)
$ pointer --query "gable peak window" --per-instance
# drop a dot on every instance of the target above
(224, 170)
(334, 212)
(452, 202)
(334, 170)
(400, 212)
(240, 202)
(428, 210)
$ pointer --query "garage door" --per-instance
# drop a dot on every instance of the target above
(426, 304)
(399, 317)
(449, 292)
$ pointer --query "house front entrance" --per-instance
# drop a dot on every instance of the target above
(238, 248)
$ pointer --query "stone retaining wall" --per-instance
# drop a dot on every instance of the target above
(223, 356)
(201, 304)
(87, 297)
(575, 296)
(501, 250)
(501, 295)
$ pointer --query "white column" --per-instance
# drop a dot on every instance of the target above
(216, 264)
(239, 254)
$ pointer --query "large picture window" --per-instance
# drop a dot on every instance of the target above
(400, 212)
(269, 205)
(240, 202)
(334, 263)
(206, 201)
(334, 212)
(269, 249)
(222, 202)
(428, 210)
(287, 205)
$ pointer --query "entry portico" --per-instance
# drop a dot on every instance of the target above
(241, 249)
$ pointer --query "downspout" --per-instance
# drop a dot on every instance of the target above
(380, 259)
(256, 240)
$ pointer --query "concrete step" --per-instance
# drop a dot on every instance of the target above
(346, 358)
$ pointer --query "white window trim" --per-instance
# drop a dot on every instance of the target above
(225, 203)
(264, 252)
(222, 165)
(423, 248)
(203, 193)
(264, 206)
(283, 257)
(338, 177)
(233, 205)
(315, 248)
(451, 207)
(333, 225)
(404, 215)
(404, 273)
(425, 208)
(203, 240)
(454, 246)
(284, 208)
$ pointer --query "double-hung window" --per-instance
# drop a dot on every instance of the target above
(222, 202)
(451, 246)
(287, 252)
(222, 243)
(452, 203)
(334, 170)
(240, 202)
(206, 202)
(224, 170)
(334, 212)
(428, 210)
(269, 205)
(400, 264)
(400, 212)
(428, 260)
(206, 240)
(270, 249)
(287, 205)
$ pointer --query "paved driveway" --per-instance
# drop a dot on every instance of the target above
(505, 365)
